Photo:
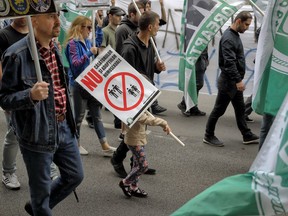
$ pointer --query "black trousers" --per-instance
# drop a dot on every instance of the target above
(222, 101)
(121, 152)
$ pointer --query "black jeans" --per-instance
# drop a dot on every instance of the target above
(121, 152)
(222, 101)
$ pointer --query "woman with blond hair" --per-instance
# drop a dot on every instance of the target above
(78, 51)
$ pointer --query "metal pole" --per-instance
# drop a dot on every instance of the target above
(93, 29)
(256, 7)
(151, 39)
(34, 50)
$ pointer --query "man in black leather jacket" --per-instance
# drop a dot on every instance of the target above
(230, 82)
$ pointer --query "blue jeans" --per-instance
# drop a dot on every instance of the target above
(79, 109)
(10, 150)
(46, 194)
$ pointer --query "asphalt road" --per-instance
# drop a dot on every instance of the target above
(182, 172)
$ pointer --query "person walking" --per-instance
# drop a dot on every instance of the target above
(137, 50)
(155, 107)
(230, 82)
(136, 140)
(128, 26)
(114, 16)
(41, 115)
(78, 51)
(14, 32)
(200, 68)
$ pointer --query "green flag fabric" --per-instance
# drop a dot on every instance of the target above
(261, 191)
(271, 66)
(201, 20)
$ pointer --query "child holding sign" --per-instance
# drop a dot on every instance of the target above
(135, 139)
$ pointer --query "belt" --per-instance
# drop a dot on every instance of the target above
(61, 117)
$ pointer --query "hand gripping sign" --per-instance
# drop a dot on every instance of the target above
(119, 87)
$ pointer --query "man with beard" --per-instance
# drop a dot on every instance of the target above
(230, 83)
(41, 116)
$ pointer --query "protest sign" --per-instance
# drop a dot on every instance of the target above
(118, 86)
(93, 4)
(18, 8)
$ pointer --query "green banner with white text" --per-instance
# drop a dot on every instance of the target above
(271, 67)
(201, 20)
(261, 191)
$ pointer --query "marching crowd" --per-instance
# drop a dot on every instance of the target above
(44, 117)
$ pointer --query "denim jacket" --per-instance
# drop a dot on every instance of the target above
(34, 122)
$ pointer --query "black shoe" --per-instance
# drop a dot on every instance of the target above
(28, 208)
(125, 188)
(213, 141)
(119, 168)
(247, 119)
(157, 109)
(197, 112)
(150, 171)
(250, 138)
(117, 125)
(138, 193)
(182, 106)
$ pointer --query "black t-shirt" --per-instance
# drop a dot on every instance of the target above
(9, 36)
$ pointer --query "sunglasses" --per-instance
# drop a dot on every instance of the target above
(88, 27)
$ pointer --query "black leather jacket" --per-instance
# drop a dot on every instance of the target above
(231, 60)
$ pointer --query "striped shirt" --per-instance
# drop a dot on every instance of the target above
(59, 90)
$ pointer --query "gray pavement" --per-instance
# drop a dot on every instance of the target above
(182, 172)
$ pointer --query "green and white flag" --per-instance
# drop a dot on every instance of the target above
(271, 66)
(66, 20)
(201, 20)
(261, 191)
(262, 5)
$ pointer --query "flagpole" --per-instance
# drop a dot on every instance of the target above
(34, 50)
(256, 7)
(151, 39)
(171, 134)
(93, 29)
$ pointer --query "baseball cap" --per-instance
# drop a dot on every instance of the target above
(114, 10)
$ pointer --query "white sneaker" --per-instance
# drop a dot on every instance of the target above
(109, 152)
(10, 181)
(82, 151)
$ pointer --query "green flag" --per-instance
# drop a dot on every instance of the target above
(261, 191)
(271, 67)
(201, 20)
